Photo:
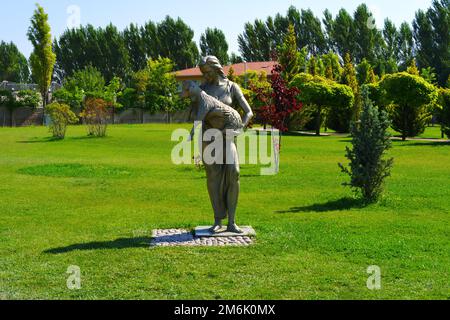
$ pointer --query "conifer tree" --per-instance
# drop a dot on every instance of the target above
(368, 167)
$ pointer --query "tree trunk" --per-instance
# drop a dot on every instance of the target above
(44, 105)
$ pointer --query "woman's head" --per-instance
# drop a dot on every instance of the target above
(212, 69)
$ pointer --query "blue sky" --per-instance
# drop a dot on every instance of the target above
(230, 16)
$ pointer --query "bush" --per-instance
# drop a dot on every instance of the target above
(328, 97)
(61, 117)
(444, 112)
(410, 99)
(96, 116)
(370, 141)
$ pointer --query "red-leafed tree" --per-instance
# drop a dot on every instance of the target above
(283, 100)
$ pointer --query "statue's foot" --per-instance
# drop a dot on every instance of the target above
(233, 228)
(215, 229)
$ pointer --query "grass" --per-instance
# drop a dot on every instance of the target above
(93, 203)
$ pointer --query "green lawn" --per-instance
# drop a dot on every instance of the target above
(93, 203)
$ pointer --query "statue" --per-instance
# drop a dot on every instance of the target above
(214, 99)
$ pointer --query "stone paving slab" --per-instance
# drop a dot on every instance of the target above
(185, 238)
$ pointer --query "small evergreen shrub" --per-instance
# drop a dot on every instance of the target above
(368, 169)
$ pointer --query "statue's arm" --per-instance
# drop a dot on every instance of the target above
(239, 97)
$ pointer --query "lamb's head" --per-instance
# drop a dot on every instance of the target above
(191, 90)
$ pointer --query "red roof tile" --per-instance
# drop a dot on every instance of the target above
(239, 69)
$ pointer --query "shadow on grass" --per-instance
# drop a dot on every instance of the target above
(424, 144)
(51, 139)
(40, 140)
(119, 244)
(336, 205)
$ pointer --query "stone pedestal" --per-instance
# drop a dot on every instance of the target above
(203, 232)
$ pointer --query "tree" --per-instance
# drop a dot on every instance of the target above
(366, 37)
(405, 44)
(282, 102)
(96, 116)
(391, 36)
(214, 43)
(135, 45)
(292, 60)
(326, 97)
(349, 78)
(444, 112)
(13, 64)
(344, 33)
(365, 73)
(333, 69)
(370, 142)
(103, 48)
(61, 116)
(439, 15)
(412, 68)
(423, 36)
(328, 22)
(89, 83)
(176, 43)
(42, 58)
(234, 58)
(310, 33)
(410, 98)
(255, 43)
(312, 66)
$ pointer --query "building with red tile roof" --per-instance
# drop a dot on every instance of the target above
(239, 69)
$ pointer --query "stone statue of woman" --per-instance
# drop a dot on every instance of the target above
(223, 179)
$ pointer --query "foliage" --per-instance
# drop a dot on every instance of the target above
(214, 43)
(444, 112)
(365, 73)
(292, 60)
(154, 88)
(88, 82)
(370, 141)
(410, 98)
(257, 90)
(281, 103)
(405, 44)
(349, 78)
(96, 116)
(28, 98)
(432, 37)
(429, 75)
(13, 64)
(328, 98)
(61, 116)
(412, 68)
(42, 59)
(23, 98)
(105, 48)
(332, 66)
(234, 58)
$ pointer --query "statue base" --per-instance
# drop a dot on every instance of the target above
(204, 232)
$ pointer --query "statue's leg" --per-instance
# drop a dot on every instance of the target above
(214, 174)
(232, 177)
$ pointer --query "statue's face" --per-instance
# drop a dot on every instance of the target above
(209, 74)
